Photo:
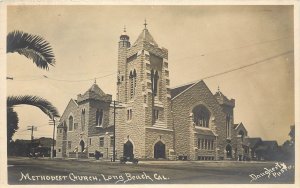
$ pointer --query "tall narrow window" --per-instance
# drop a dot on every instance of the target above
(101, 142)
(71, 123)
(155, 115)
(83, 119)
(130, 114)
(134, 81)
(131, 84)
(99, 118)
(228, 132)
(154, 81)
(198, 143)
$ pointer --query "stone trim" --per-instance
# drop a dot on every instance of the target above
(160, 128)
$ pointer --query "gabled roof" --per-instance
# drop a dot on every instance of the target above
(222, 99)
(96, 89)
(252, 142)
(177, 90)
(267, 145)
(270, 143)
(95, 93)
(145, 36)
(236, 126)
(70, 103)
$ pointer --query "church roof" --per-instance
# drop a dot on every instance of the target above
(252, 142)
(270, 143)
(177, 90)
(94, 92)
(235, 125)
(145, 36)
(222, 99)
(96, 89)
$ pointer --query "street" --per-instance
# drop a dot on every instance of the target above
(47, 171)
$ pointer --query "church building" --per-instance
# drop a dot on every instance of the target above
(149, 119)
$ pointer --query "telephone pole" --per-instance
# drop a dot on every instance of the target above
(31, 128)
(52, 121)
(114, 148)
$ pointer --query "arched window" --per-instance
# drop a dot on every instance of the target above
(83, 119)
(71, 123)
(99, 118)
(134, 81)
(228, 127)
(201, 116)
(154, 81)
(242, 134)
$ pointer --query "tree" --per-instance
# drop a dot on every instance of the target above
(39, 50)
(32, 46)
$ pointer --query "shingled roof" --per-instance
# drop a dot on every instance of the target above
(96, 89)
(176, 91)
(252, 142)
(94, 92)
(145, 36)
(223, 100)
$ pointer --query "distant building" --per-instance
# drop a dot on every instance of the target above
(153, 120)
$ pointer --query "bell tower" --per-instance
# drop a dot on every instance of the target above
(143, 88)
(124, 44)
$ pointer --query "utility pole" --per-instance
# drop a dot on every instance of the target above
(52, 121)
(53, 137)
(114, 148)
(31, 128)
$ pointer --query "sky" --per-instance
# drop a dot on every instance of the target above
(202, 41)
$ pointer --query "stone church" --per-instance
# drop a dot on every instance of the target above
(151, 120)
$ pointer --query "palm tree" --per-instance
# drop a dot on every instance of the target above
(39, 50)
(39, 102)
(32, 46)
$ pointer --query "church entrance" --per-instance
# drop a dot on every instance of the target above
(82, 145)
(228, 151)
(128, 149)
(159, 150)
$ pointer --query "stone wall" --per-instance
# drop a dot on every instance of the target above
(182, 107)
(153, 135)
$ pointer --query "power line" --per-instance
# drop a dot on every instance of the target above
(89, 79)
(239, 68)
(234, 48)
(80, 80)
(43, 125)
(244, 66)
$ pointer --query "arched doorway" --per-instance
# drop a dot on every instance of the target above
(159, 150)
(82, 145)
(228, 151)
(128, 149)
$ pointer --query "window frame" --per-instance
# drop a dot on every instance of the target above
(101, 138)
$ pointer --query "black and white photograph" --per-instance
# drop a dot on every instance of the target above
(149, 93)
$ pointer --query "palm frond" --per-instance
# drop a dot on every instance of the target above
(36, 101)
(32, 46)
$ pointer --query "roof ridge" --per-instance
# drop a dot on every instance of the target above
(145, 36)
